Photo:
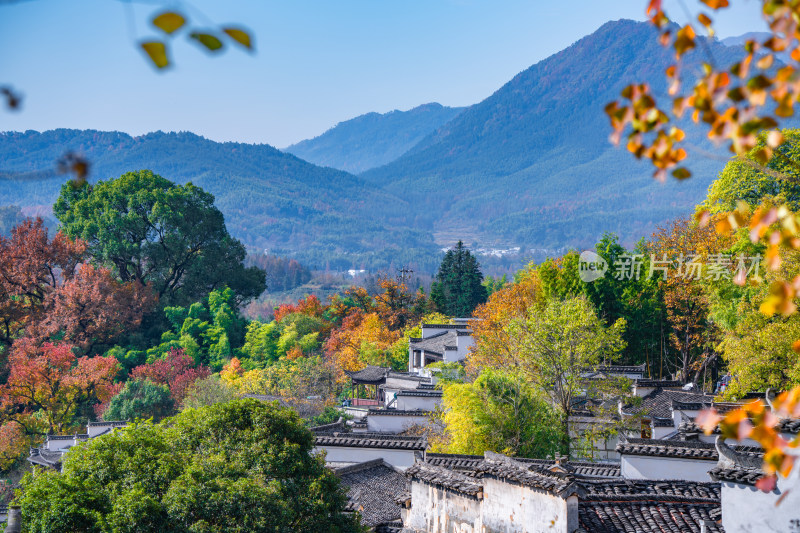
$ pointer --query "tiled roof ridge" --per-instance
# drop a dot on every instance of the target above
(447, 479)
(731, 458)
(663, 383)
(420, 392)
(359, 467)
(529, 475)
(445, 326)
(741, 476)
(339, 424)
(365, 440)
(398, 412)
(645, 498)
(109, 423)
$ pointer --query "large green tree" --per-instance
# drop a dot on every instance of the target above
(239, 466)
(744, 179)
(156, 232)
(502, 412)
(458, 288)
(554, 347)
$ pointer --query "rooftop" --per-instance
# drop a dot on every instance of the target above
(372, 440)
(679, 449)
(372, 488)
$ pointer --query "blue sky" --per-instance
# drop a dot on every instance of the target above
(318, 62)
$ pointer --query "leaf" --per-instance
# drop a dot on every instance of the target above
(206, 39)
(767, 483)
(240, 36)
(716, 4)
(157, 51)
(169, 22)
(681, 173)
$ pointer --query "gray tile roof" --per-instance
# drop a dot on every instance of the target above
(663, 383)
(46, 458)
(648, 516)
(435, 344)
(446, 479)
(372, 488)
(658, 403)
(510, 470)
(428, 393)
(372, 440)
(468, 464)
(705, 451)
(398, 412)
(370, 374)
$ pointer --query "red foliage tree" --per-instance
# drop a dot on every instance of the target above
(177, 372)
(310, 305)
(46, 292)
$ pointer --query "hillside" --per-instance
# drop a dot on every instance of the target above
(531, 165)
(373, 139)
(271, 200)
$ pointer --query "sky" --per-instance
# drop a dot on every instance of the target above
(317, 62)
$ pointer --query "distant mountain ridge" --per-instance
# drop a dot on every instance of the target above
(373, 139)
(271, 200)
(530, 166)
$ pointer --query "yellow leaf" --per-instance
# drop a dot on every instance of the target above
(169, 21)
(240, 36)
(157, 51)
(206, 39)
(716, 4)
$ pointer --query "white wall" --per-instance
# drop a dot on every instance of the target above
(434, 510)
(645, 467)
(340, 454)
(509, 507)
(423, 403)
(747, 510)
(394, 423)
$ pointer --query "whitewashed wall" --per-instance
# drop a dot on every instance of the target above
(645, 467)
(436, 511)
(394, 423)
(340, 454)
(746, 509)
(509, 507)
(423, 403)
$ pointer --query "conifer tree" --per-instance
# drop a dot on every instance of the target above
(458, 288)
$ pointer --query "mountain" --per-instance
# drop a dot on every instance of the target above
(373, 139)
(532, 164)
(270, 199)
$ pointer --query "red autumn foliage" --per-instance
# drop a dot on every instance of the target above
(310, 305)
(50, 381)
(177, 372)
(45, 291)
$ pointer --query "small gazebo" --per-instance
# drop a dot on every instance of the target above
(363, 381)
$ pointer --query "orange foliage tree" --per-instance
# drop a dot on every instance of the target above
(687, 248)
(493, 343)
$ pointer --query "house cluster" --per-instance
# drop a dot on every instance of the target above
(664, 475)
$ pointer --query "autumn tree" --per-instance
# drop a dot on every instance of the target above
(46, 293)
(554, 348)
(177, 372)
(685, 254)
(47, 384)
(152, 231)
(458, 288)
(494, 344)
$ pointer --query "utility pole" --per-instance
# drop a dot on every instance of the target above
(404, 273)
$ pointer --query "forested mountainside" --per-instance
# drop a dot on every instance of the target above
(270, 199)
(532, 164)
(373, 139)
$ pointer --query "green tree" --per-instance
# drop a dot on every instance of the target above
(156, 232)
(140, 398)
(239, 466)
(745, 179)
(500, 411)
(458, 288)
(556, 346)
